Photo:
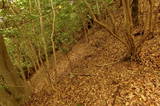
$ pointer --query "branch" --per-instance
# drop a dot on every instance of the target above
(104, 25)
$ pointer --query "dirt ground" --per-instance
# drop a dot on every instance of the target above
(94, 76)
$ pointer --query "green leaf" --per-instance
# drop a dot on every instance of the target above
(109, 1)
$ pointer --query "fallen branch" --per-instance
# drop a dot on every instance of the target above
(108, 64)
(115, 95)
(84, 75)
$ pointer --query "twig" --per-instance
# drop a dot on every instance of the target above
(108, 64)
(85, 75)
(13, 86)
(115, 95)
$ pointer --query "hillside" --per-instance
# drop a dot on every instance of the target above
(79, 53)
(94, 76)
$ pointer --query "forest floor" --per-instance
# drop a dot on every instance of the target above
(94, 76)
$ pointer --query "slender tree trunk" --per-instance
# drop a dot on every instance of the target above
(128, 25)
(135, 9)
(49, 79)
(52, 36)
(13, 87)
(148, 34)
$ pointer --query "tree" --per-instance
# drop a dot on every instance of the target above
(132, 49)
(128, 25)
(12, 90)
(135, 12)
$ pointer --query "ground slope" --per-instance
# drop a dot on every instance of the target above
(95, 77)
(92, 75)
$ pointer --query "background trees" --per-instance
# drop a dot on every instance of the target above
(34, 29)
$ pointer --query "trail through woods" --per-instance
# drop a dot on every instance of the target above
(94, 76)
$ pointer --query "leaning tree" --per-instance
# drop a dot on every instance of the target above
(12, 87)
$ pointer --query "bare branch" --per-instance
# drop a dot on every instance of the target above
(103, 25)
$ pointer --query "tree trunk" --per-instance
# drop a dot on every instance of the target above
(12, 90)
(128, 25)
(135, 20)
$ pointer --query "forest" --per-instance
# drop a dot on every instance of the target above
(79, 52)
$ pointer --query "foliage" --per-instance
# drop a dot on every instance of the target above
(21, 27)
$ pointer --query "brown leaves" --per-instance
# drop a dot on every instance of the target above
(150, 54)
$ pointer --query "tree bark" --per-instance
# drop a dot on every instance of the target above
(12, 86)
(135, 20)
(128, 25)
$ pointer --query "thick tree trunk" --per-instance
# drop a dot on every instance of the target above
(12, 86)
